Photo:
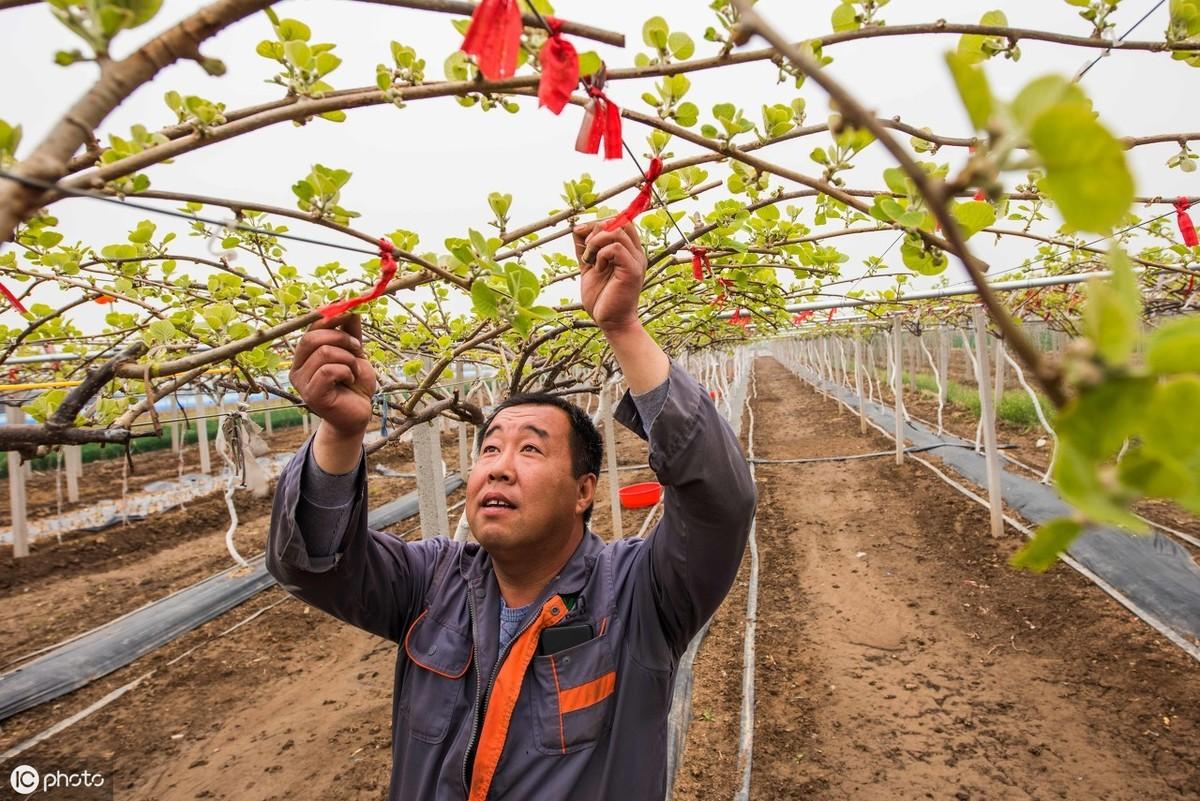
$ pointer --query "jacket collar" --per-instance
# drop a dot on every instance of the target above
(475, 565)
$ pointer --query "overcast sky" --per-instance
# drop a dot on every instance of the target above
(429, 167)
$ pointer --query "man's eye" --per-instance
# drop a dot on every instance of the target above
(531, 448)
(487, 448)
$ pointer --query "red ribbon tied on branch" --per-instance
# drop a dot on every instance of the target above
(738, 319)
(642, 201)
(387, 271)
(13, 299)
(1186, 229)
(560, 69)
(494, 38)
(700, 263)
(601, 122)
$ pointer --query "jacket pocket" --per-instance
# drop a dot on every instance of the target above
(433, 686)
(573, 695)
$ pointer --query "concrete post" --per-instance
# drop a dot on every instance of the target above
(898, 387)
(988, 419)
(610, 451)
(431, 486)
(943, 361)
(16, 491)
(858, 387)
(74, 468)
(200, 410)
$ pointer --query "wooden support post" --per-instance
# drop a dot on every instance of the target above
(898, 387)
(305, 419)
(943, 362)
(988, 419)
(200, 410)
(610, 451)
(858, 387)
(73, 455)
(16, 491)
(431, 488)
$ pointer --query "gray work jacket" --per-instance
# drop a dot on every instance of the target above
(586, 723)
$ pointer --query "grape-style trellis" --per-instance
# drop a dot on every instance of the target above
(1125, 391)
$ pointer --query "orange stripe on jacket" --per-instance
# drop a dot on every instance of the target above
(504, 698)
(562, 734)
(585, 695)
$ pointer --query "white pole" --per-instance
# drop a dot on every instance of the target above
(268, 426)
(431, 489)
(998, 395)
(464, 449)
(16, 492)
(200, 410)
(74, 467)
(898, 388)
(858, 387)
(988, 419)
(943, 364)
(610, 451)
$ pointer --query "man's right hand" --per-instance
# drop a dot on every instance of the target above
(335, 380)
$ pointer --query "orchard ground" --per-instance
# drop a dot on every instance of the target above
(898, 655)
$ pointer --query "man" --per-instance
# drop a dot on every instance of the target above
(538, 662)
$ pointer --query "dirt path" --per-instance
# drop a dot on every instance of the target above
(899, 656)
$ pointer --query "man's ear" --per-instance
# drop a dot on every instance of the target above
(586, 492)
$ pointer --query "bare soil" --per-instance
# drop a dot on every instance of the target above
(900, 657)
(922, 668)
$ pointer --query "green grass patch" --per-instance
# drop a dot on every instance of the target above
(1015, 407)
(94, 451)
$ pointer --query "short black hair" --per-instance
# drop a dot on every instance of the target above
(587, 446)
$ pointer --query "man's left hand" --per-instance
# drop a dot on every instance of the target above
(612, 268)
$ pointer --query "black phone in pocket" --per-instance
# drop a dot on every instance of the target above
(560, 638)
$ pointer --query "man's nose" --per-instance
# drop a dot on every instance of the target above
(500, 468)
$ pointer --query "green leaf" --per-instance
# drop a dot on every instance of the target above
(48, 239)
(1112, 316)
(589, 62)
(681, 46)
(483, 299)
(290, 30)
(973, 216)
(1086, 173)
(844, 18)
(1154, 475)
(655, 32)
(1171, 425)
(1077, 478)
(1175, 347)
(1051, 539)
(972, 88)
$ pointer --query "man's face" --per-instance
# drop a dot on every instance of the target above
(522, 493)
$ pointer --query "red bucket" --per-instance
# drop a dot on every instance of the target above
(638, 496)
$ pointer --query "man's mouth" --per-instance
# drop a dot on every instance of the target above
(496, 501)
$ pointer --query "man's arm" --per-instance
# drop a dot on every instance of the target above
(696, 549)
(319, 546)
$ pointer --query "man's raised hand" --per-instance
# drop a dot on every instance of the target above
(612, 268)
(333, 376)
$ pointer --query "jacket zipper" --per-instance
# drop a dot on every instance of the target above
(492, 680)
(478, 689)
